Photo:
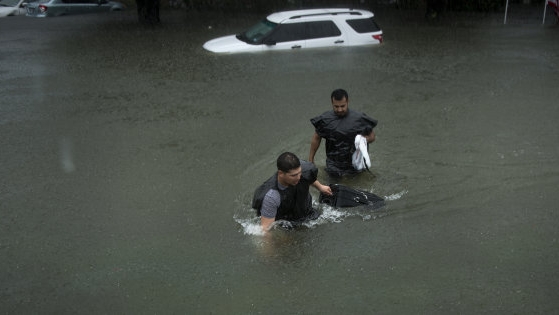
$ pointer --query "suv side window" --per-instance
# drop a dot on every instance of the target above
(321, 29)
(364, 25)
(288, 33)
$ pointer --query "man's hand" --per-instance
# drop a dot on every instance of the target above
(325, 189)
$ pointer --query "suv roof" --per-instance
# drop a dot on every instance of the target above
(279, 17)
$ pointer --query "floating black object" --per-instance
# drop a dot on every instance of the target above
(344, 197)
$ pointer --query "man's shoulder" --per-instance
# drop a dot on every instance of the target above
(306, 165)
(356, 112)
(324, 119)
(272, 193)
(309, 171)
(326, 114)
(363, 117)
(272, 198)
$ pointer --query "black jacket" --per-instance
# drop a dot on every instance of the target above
(340, 133)
(296, 201)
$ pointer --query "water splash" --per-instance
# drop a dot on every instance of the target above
(251, 225)
(396, 196)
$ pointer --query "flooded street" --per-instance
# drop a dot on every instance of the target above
(129, 156)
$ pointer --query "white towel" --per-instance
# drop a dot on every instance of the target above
(360, 158)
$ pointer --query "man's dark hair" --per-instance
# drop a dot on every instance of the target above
(339, 95)
(288, 161)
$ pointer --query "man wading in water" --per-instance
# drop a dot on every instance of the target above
(339, 127)
(285, 195)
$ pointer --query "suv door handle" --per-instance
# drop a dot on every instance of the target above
(338, 42)
(296, 46)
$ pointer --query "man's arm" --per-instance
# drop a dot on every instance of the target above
(315, 144)
(265, 223)
(269, 209)
(370, 137)
(322, 188)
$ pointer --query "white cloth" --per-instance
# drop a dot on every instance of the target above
(360, 158)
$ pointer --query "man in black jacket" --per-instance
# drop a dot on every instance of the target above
(285, 195)
(339, 127)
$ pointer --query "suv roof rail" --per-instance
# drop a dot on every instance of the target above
(350, 12)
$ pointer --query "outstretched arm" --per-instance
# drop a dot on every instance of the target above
(315, 144)
(322, 188)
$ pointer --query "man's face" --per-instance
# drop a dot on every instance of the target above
(340, 106)
(290, 178)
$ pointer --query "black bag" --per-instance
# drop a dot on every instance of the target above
(344, 197)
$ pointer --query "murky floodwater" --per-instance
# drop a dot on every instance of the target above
(129, 156)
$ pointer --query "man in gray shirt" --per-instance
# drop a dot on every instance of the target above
(285, 195)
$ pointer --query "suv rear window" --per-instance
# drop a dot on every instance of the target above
(364, 25)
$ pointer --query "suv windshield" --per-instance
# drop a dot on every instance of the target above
(255, 34)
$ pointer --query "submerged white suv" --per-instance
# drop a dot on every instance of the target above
(303, 29)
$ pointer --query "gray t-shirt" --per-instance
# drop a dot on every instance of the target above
(271, 202)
